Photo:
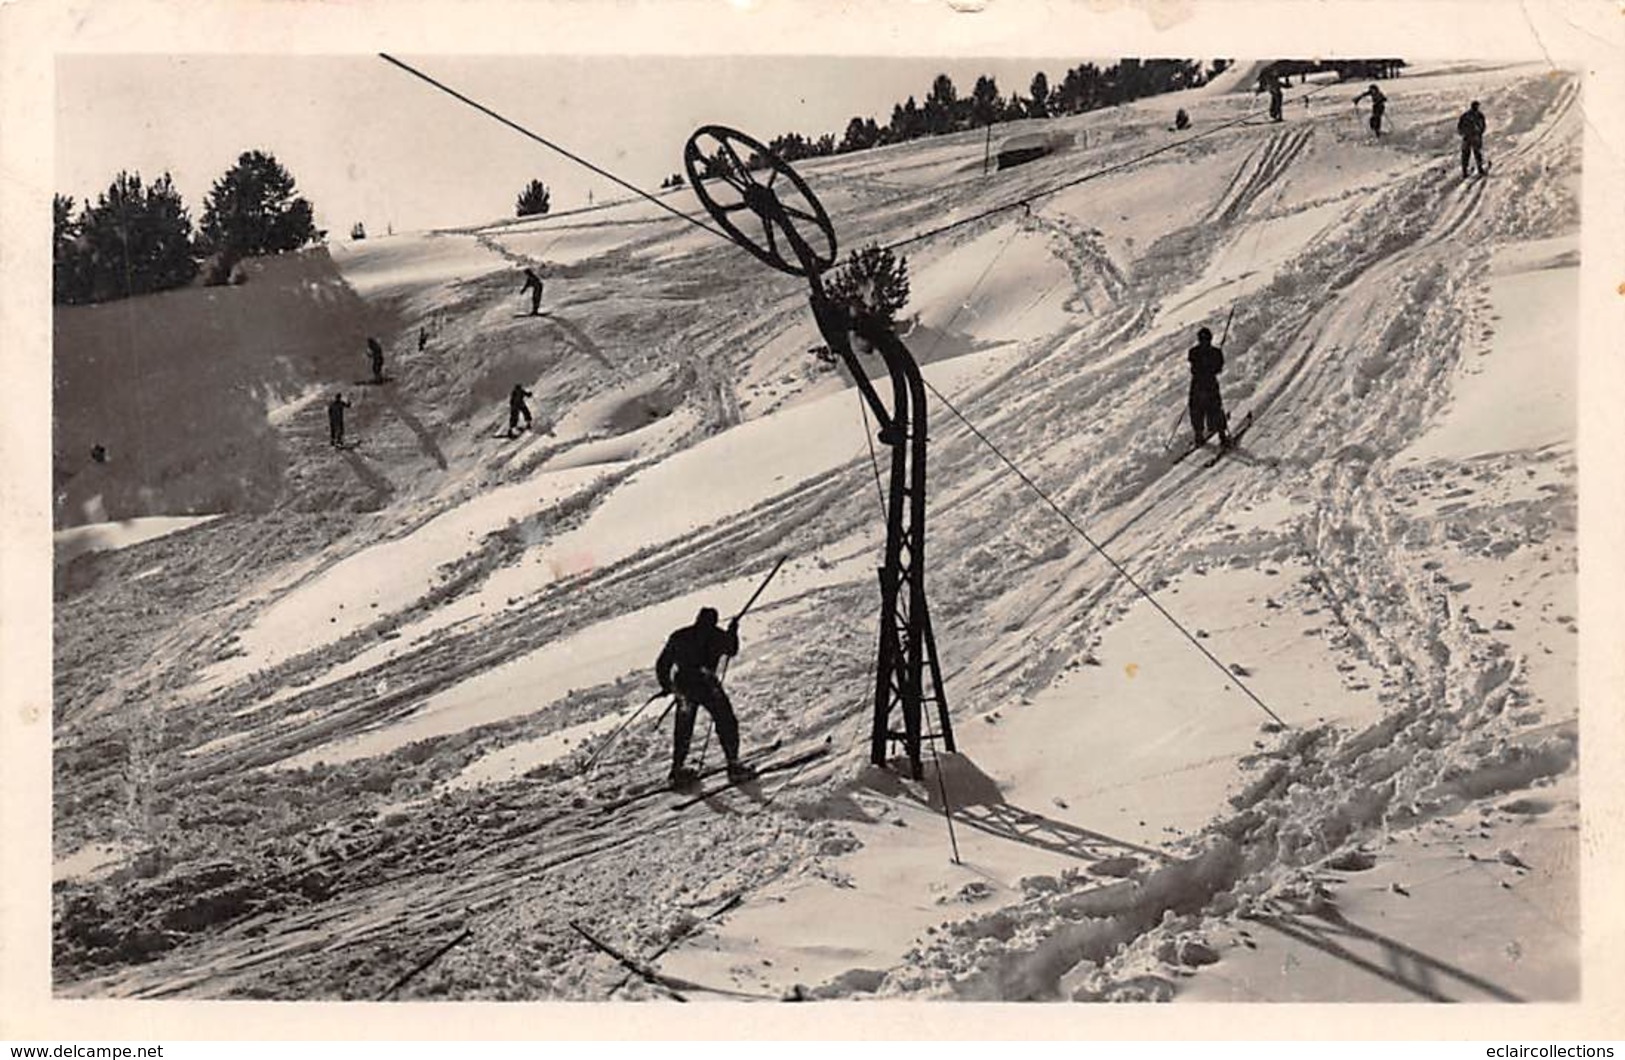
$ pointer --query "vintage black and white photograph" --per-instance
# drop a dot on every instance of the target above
(1063, 525)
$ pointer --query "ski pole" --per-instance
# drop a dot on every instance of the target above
(760, 588)
(663, 713)
(621, 728)
(722, 667)
(1174, 431)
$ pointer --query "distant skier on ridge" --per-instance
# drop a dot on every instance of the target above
(518, 408)
(1207, 407)
(1379, 103)
(694, 653)
(375, 353)
(1269, 82)
(1470, 127)
(335, 420)
(533, 284)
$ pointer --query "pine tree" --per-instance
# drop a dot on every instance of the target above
(873, 281)
(253, 209)
(985, 101)
(941, 105)
(135, 240)
(69, 255)
(534, 201)
(1040, 93)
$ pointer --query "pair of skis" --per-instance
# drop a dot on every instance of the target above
(700, 792)
(1235, 439)
(674, 987)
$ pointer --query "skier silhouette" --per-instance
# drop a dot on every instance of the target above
(1269, 82)
(533, 284)
(517, 408)
(335, 420)
(375, 353)
(1470, 127)
(1182, 120)
(1379, 103)
(1207, 407)
(694, 652)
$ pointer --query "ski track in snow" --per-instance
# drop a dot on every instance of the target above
(362, 732)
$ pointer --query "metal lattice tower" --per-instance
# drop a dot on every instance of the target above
(908, 677)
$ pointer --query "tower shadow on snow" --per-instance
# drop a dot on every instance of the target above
(978, 804)
(1404, 966)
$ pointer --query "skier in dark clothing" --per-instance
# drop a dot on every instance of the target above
(335, 420)
(1269, 82)
(694, 653)
(375, 353)
(1182, 121)
(1379, 103)
(533, 284)
(1207, 407)
(517, 408)
(1470, 127)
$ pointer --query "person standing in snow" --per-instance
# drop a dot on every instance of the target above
(1379, 103)
(1470, 127)
(375, 353)
(335, 420)
(687, 668)
(1207, 407)
(533, 284)
(1269, 82)
(1182, 121)
(517, 408)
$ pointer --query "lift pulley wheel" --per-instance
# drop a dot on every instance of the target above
(796, 234)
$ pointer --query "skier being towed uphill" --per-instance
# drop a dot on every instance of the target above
(1207, 407)
(694, 653)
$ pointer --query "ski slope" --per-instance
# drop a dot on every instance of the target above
(360, 698)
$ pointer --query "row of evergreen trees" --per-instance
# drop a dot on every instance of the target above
(1085, 87)
(138, 238)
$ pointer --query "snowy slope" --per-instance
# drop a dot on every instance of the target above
(361, 701)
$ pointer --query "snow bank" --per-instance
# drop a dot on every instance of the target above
(393, 265)
(1518, 388)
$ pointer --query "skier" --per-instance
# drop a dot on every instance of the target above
(423, 338)
(1182, 121)
(533, 284)
(694, 651)
(98, 453)
(335, 420)
(375, 353)
(1207, 407)
(1269, 82)
(1379, 103)
(517, 408)
(1470, 127)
